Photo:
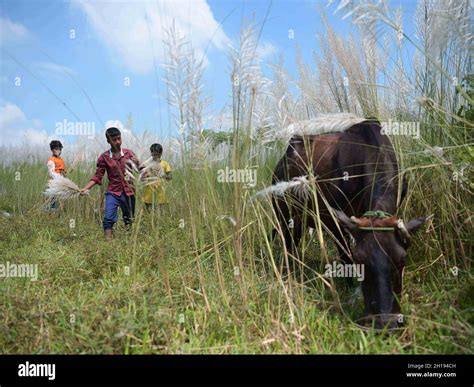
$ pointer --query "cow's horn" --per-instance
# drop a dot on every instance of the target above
(355, 220)
(403, 228)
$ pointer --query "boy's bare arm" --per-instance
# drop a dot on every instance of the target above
(97, 178)
(88, 186)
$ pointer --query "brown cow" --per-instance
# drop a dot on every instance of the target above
(358, 183)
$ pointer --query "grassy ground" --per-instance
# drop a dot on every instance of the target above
(204, 277)
(188, 281)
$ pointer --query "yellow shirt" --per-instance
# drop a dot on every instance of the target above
(155, 192)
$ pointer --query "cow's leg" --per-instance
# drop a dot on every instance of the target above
(294, 236)
(282, 214)
(342, 240)
(291, 227)
(292, 232)
(347, 261)
(404, 189)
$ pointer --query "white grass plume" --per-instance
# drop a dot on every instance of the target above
(227, 217)
(62, 188)
(132, 173)
(299, 185)
(151, 171)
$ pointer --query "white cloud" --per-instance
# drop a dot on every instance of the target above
(15, 128)
(266, 50)
(33, 137)
(114, 123)
(132, 28)
(10, 114)
(11, 32)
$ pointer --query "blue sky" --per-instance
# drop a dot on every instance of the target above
(113, 41)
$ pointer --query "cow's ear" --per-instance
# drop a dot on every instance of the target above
(410, 228)
(413, 225)
(348, 224)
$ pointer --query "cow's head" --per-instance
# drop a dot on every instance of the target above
(381, 244)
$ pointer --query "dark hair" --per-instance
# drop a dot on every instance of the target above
(112, 132)
(55, 144)
(156, 148)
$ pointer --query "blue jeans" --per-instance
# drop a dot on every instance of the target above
(112, 203)
(51, 205)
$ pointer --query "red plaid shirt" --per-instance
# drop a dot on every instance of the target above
(115, 167)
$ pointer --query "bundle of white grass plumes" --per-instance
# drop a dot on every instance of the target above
(61, 187)
(298, 185)
(147, 173)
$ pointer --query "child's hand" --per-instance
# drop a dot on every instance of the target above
(83, 192)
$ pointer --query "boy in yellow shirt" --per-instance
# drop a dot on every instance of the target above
(156, 172)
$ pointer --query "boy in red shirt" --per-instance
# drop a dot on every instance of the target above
(120, 192)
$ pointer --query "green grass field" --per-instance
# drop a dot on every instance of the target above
(204, 276)
(188, 281)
